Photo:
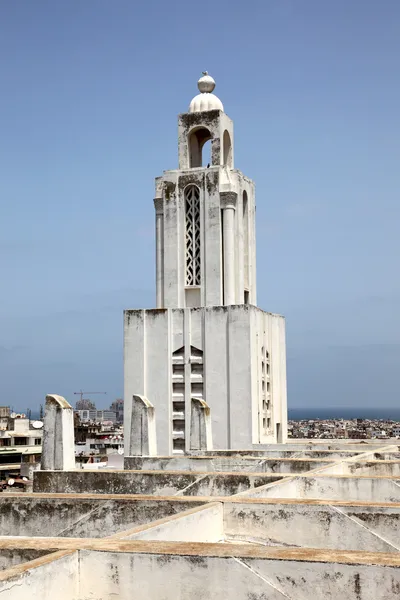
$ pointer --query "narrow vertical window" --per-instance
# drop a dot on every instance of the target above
(246, 245)
(192, 217)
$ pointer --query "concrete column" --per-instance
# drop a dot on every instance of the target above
(158, 203)
(200, 429)
(228, 205)
(140, 439)
(58, 451)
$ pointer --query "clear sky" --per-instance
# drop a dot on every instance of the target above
(89, 95)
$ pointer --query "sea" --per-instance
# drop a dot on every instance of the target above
(335, 412)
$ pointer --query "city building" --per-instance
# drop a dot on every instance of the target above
(20, 447)
(4, 416)
(207, 341)
(85, 404)
(97, 416)
(118, 407)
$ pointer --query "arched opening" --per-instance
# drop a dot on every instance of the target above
(246, 246)
(227, 149)
(197, 138)
(206, 154)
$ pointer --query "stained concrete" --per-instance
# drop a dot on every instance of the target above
(372, 489)
(149, 482)
(228, 464)
(76, 516)
(140, 569)
(14, 556)
(362, 528)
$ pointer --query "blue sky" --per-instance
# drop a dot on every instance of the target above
(90, 92)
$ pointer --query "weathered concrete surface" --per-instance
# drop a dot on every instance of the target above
(140, 435)
(303, 445)
(11, 557)
(149, 482)
(204, 524)
(50, 577)
(200, 428)
(228, 464)
(77, 516)
(366, 528)
(168, 570)
(121, 545)
(346, 487)
(58, 434)
(163, 577)
(383, 468)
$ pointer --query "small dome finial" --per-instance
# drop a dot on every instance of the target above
(206, 83)
(206, 100)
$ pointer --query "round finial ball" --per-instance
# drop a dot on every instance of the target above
(206, 84)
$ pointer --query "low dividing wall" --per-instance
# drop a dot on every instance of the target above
(109, 569)
(203, 524)
(207, 464)
(77, 516)
(167, 577)
(159, 483)
(302, 445)
(351, 488)
(51, 577)
(384, 468)
(10, 558)
(363, 528)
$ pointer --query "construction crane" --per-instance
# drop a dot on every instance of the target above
(81, 393)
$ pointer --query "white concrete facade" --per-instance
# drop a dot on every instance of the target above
(207, 339)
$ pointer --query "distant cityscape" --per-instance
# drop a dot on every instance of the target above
(99, 440)
(99, 435)
(356, 429)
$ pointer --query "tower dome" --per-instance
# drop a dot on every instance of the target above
(206, 100)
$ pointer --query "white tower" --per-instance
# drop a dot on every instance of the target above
(207, 339)
(205, 215)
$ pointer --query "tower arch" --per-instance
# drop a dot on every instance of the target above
(227, 149)
(196, 139)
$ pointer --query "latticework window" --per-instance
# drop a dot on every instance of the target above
(192, 215)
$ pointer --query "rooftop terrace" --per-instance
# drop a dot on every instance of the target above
(289, 521)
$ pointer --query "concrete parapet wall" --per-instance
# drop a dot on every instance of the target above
(303, 445)
(10, 558)
(370, 489)
(158, 483)
(204, 524)
(383, 468)
(50, 577)
(314, 526)
(76, 516)
(126, 569)
(205, 464)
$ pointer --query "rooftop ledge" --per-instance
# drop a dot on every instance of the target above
(200, 549)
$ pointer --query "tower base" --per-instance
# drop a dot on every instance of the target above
(231, 357)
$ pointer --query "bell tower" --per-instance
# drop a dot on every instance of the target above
(205, 215)
(207, 348)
